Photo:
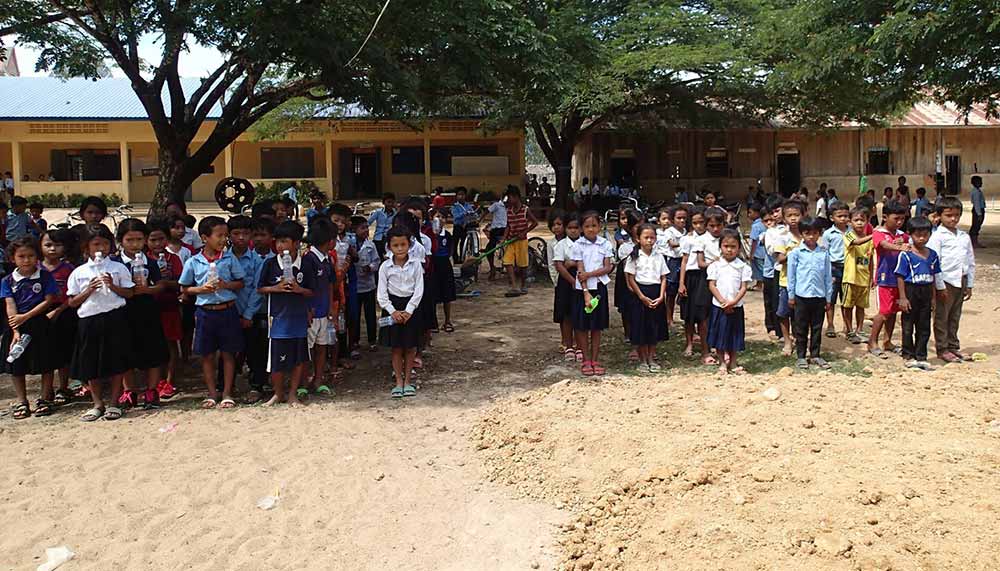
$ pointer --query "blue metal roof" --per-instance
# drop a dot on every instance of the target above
(55, 99)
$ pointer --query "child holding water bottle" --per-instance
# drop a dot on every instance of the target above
(213, 276)
(26, 347)
(149, 345)
(323, 325)
(98, 290)
(400, 289)
(288, 281)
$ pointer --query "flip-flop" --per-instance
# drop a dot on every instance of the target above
(44, 407)
(113, 413)
(301, 393)
(963, 356)
(709, 360)
(324, 390)
(831, 334)
(598, 369)
(513, 293)
(569, 355)
(92, 414)
(738, 371)
(449, 328)
(878, 353)
(578, 354)
(950, 358)
(208, 403)
(396, 392)
(254, 396)
(62, 397)
(587, 369)
(20, 411)
(227, 403)
(820, 362)
(409, 391)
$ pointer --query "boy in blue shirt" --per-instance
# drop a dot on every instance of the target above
(19, 222)
(248, 303)
(810, 288)
(915, 275)
(757, 229)
(213, 276)
(322, 326)
(833, 240)
(288, 308)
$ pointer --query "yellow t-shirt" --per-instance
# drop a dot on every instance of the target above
(790, 243)
(857, 261)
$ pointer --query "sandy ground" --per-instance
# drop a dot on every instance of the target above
(500, 464)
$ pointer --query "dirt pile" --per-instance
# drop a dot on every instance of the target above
(894, 471)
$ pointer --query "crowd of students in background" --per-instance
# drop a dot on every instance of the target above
(807, 258)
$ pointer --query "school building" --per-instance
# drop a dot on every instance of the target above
(92, 137)
(930, 145)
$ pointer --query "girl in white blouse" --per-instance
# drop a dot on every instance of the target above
(400, 289)
(646, 272)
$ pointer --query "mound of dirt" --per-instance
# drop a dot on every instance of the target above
(895, 471)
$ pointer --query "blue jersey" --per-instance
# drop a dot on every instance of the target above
(916, 270)
(288, 313)
(29, 291)
(324, 279)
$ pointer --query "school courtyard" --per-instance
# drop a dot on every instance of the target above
(509, 459)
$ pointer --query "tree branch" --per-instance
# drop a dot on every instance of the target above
(43, 21)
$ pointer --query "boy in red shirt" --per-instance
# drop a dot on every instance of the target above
(888, 242)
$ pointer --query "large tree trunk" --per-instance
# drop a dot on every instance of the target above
(177, 172)
(558, 147)
(563, 166)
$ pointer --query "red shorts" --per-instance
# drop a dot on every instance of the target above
(170, 319)
(888, 300)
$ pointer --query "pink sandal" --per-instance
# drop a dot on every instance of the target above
(569, 355)
(599, 370)
(587, 369)
(579, 355)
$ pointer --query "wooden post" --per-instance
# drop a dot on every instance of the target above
(328, 149)
(427, 161)
(15, 152)
(228, 159)
(123, 157)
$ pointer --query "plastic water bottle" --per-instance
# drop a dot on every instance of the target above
(213, 274)
(341, 323)
(17, 349)
(436, 225)
(386, 321)
(161, 262)
(331, 330)
(99, 261)
(140, 275)
(342, 247)
(288, 272)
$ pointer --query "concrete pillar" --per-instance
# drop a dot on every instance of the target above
(15, 156)
(229, 160)
(427, 161)
(328, 149)
(123, 156)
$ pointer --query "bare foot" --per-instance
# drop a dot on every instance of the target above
(272, 401)
(294, 402)
(787, 351)
(723, 369)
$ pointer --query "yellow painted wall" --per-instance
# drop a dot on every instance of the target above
(6, 161)
(247, 156)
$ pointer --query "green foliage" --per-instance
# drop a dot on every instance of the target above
(59, 200)
(272, 191)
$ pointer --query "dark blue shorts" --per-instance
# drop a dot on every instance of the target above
(217, 331)
(283, 355)
(783, 309)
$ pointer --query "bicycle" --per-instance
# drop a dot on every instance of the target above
(359, 208)
(122, 212)
(538, 259)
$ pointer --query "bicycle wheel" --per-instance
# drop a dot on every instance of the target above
(470, 247)
(745, 248)
(537, 269)
(539, 245)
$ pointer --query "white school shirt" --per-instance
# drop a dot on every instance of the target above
(728, 277)
(662, 246)
(102, 300)
(691, 244)
(958, 259)
(592, 256)
(820, 208)
(191, 238)
(711, 247)
(647, 269)
(625, 250)
(776, 238)
(560, 253)
(674, 234)
(550, 255)
(401, 281)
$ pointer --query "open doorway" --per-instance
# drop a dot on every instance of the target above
(623, 172)
(953, 176)
(789, 173)
(360, 175)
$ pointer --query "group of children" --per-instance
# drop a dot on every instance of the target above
(806, 265)
(118, 311)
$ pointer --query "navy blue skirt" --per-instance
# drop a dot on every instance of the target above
(695, 307)
(596, 321)
(562, 304)
(674, 277)
(647, 326)
(624, 297)
(726, 331)
(406, 335)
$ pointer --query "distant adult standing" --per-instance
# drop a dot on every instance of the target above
(438, 202)
(978, 210)
(292, 192)
(545, 192)
(8, 184)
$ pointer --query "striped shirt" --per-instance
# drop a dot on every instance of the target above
(517, 221)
